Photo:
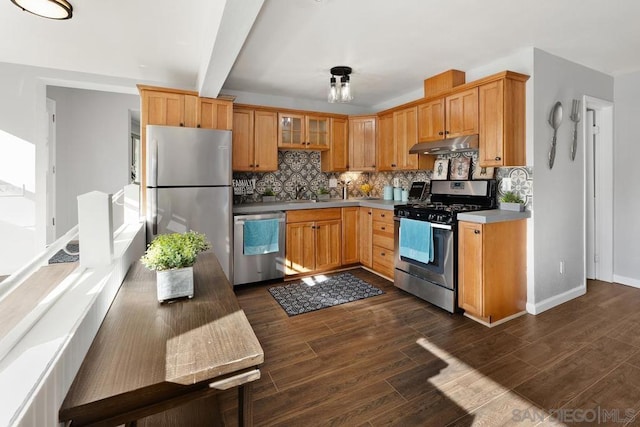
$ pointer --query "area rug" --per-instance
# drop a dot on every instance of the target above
(311, 294)
(62, 256)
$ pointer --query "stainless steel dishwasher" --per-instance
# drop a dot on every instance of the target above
(255, 268)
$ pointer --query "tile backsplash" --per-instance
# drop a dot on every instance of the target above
(302, 169)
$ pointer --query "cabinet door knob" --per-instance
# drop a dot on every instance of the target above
(257, 166)
(476, 231)
(182, 124)
(198, 124)
(440, 133)
(251, 165)
(382, 254)
(382, 215)
(446, 132)
(498, 158)
(393, 165)
(382, 228)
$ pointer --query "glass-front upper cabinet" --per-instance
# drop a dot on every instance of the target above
(291, 132)
(299, 131)
(317, 132)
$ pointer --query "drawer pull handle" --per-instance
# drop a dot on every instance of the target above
(383, 228)
(382, 254)
(498, 159)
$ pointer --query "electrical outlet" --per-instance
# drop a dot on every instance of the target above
(506, 184)
(396, 182)
(333, 183)
(561, 267)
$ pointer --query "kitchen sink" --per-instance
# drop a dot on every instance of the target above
(302, 201)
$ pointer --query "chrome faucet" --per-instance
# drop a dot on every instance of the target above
(299, 190)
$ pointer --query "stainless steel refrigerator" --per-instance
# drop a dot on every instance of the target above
(188, 186)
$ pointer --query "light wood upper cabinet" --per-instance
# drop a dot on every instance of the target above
(301, 131)
(502, 122)
(362, 143)
(448, 117)
(386, 142)
(461, 113)
(255, 144)
(393, 151)
(215, 114)
(492, 269)
(431, 120)
(336, 159)
(406, 136)
(168, 108)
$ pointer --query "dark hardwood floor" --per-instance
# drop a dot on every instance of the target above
(394, 359)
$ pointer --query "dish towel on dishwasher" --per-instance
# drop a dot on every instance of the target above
(260, 236)
(416, 240)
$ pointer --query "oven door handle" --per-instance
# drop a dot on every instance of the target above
(433, 224)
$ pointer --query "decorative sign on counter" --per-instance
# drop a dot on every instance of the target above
(242, 187)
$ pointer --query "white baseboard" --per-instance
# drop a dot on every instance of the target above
(554, 301)
(626, 281)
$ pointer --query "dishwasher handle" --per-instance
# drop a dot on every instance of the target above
(241, 219)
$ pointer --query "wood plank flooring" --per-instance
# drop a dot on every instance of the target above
(394, 359)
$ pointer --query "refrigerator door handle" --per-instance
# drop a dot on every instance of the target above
(152, 176)
(154, 211)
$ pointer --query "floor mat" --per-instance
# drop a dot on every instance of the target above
(62, 256)
(310, 294)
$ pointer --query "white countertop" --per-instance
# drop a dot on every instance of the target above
(493, 215)
(310, 204)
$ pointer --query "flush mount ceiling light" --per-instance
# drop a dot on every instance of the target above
(53, 9)
(342, 92)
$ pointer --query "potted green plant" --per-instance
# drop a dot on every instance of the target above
(510, 201)
(323, 193)
(172, 257)
(268, 195)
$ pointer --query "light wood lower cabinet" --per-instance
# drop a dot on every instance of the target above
(492, 269)
(350, 235)
(313, 240)
(382, 242)
(365, 224)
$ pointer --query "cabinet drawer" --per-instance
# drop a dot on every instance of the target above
(305, 215)
(382, 235)
(383, 261)
(382, 215)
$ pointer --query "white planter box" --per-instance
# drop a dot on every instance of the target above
(512, 207)
(266, 199)
(324, 196)
(175, 283)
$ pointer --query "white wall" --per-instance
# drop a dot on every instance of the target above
(23, 115)
(92, 146)
(626, 197)
(559, 229)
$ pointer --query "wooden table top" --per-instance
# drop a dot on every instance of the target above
(146, 351)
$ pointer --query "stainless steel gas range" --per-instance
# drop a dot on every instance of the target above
(436, 280)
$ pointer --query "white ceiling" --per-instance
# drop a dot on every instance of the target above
(392, 45)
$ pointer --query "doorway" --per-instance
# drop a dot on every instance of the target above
(51, 172)
(598, 149)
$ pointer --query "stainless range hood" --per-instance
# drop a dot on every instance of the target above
(449, 145)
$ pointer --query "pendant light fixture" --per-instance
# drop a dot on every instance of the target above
(52, 9)
(341, 93)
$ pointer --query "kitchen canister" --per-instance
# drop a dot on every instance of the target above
(397, 194)
(405, 195)
(387, 192)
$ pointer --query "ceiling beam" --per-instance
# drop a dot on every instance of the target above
(237, 19)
